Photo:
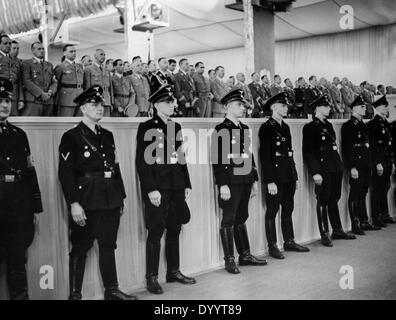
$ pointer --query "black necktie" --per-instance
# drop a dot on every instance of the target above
(97, 129)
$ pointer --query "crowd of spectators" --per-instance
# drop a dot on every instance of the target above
(41, 89)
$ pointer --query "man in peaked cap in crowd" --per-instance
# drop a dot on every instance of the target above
(357, 159)
(236, 178)
(321, 155)
(94, 191)
(20, 198)
(279, 175)
(165, 184)
(381, 142)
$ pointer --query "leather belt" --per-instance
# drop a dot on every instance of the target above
(71, 86)
(10, 178)
(105, 174)
(361, 145)
(288, 155)
(333, 148)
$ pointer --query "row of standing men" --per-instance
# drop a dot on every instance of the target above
(94, 191)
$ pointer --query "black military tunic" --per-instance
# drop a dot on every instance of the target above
(380, 137)
(90, 175)
(356, 154)
(234, 166)
(20, 199)
(163, 170)
(162, 167)
(321, 156)
(277, 165)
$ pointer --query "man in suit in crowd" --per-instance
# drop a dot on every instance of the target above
(10, 68)
(368, 97)
(124, 95)
(211, 75)
(320, 152)
(276, 88)
(347, 97)
(191, 70)
(86, 61)
(236, 179)
(357, 159)
(14, 52)
(311, 94)
(336, 98)
(299, 96)
(109, 65)
(265, 83)
(20, 198)
(259, 97)
(241, 84)
(202, 91)
(172, 67)
(93, 188)
(70, 77)
(184, 90)
(219, 89)
(161, 77)
(165, 185)
(97, 74)
(141, 88)
(151, 70)
(381, 147)
(279, 175)
(39, 84)
(381, 90)
(289, 89)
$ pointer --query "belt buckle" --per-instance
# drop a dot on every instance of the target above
(290, 154)
(9, 178)
(79, 85)
(108, 174)
(335, 148)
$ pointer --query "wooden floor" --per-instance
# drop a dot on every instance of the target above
(314, 275)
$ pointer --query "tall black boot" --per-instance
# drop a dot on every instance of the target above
(17, 283)
(173, 263)
(108, 270)
(363, 217)
(288, 236)
(227, 239)
(353, 213)
(334, 217)
(76, 276)
(323, 223)
(375, 213)
(270, 230)
(243, 248)
(152, 265)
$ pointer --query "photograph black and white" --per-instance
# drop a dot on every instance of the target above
(199, 155)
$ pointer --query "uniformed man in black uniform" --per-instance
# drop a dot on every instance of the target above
(236, 178)
(321, 155)
(165, 184)
(357, 159)
(20, 198)
(94, 191)
(279, 175)
(381, 151)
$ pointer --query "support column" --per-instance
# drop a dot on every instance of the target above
(137, 42)
(259, 31)
(129, 19)
(44, 26)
